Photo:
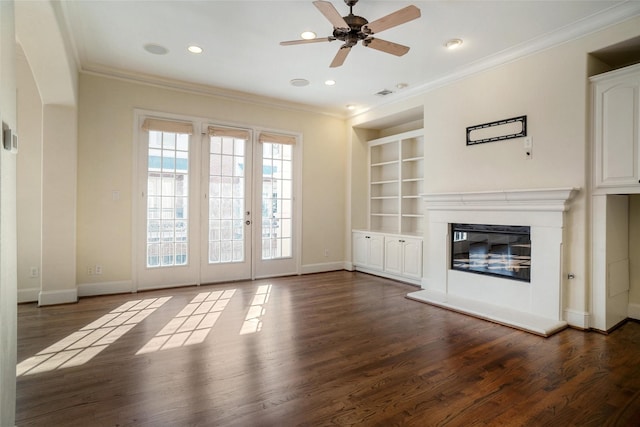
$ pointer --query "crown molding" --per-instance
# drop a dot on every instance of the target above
(614, 15)
(206, 90)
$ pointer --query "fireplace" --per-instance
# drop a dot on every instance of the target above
(495, 250)
(514, 241)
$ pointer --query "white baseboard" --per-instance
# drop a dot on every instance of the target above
(28, 295)
(634, 311)
(104, 288)
(66, 296)
(577, 319)
(322, 268)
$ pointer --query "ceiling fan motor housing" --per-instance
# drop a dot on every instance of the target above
(355, 32)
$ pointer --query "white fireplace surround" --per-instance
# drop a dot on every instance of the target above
(536, 306)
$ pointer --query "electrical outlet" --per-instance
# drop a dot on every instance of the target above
(90, 271)
(98, 269)
(34, 272)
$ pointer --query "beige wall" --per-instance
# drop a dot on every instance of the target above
(29, 182)
(551, 89)
(105, 153)
(8, 279)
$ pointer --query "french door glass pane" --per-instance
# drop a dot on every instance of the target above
(167, 199)
(226, 200)
(277, 200)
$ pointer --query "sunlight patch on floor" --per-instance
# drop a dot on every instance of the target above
(193, 324)
(257, 310)
(83, 345)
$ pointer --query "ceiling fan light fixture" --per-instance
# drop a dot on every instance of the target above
(308, 35)
(453, 44)
(194, 49)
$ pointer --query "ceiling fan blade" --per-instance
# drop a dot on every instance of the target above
(330, 12)
(340, 56)
(396, 18)
(292, 42)
(385, 46)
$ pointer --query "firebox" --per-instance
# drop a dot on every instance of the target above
(496, 250)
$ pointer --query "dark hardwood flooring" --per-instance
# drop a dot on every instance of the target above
(335, 348)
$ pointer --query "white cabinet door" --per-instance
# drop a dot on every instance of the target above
(368, 250)
(403, 256)
(376, 251)
(412, 258)
(617, 131)
(393, 255)
(360, 249)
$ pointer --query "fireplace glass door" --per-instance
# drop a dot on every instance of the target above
(496, 250)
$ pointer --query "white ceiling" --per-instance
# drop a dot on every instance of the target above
(242, 53)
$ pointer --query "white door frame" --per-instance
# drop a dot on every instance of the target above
(293, 267)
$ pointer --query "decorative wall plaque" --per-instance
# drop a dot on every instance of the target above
(515, 127)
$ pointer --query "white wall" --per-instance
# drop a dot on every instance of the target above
(105, 135)
(8, 280)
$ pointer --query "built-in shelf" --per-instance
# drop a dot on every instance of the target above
(393, 181)
(393, 162)
(396, 174)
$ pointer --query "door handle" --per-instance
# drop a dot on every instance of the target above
(247, 222)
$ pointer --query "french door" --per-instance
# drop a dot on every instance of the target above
(214, 205)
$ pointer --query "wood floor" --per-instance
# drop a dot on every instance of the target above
(336, 348)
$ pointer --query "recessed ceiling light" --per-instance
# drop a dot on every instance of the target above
(351, 107)
(401, 85)
(329, 82)
(194, 49)
(453, 44)
(308, 35)
(156, 49)
(299, 82)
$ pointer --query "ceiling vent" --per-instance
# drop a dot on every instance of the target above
(384, 92)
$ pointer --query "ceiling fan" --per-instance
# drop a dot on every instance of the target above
(352, 28)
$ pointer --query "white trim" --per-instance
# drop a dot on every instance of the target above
(166, 286)
(66, 296)
(105, 288)
(616, 14)
(28, 295)
(545, 199)
(387, 275)
(206, 90)
(322, 267)
(577, 319)
(612, 16)
(634, 311)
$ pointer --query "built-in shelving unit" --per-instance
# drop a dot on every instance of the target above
(396, 175)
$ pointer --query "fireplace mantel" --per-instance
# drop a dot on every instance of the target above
(536, 306)
(547, 199)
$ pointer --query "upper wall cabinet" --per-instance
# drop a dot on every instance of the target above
(396, 175)
(616, 130)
